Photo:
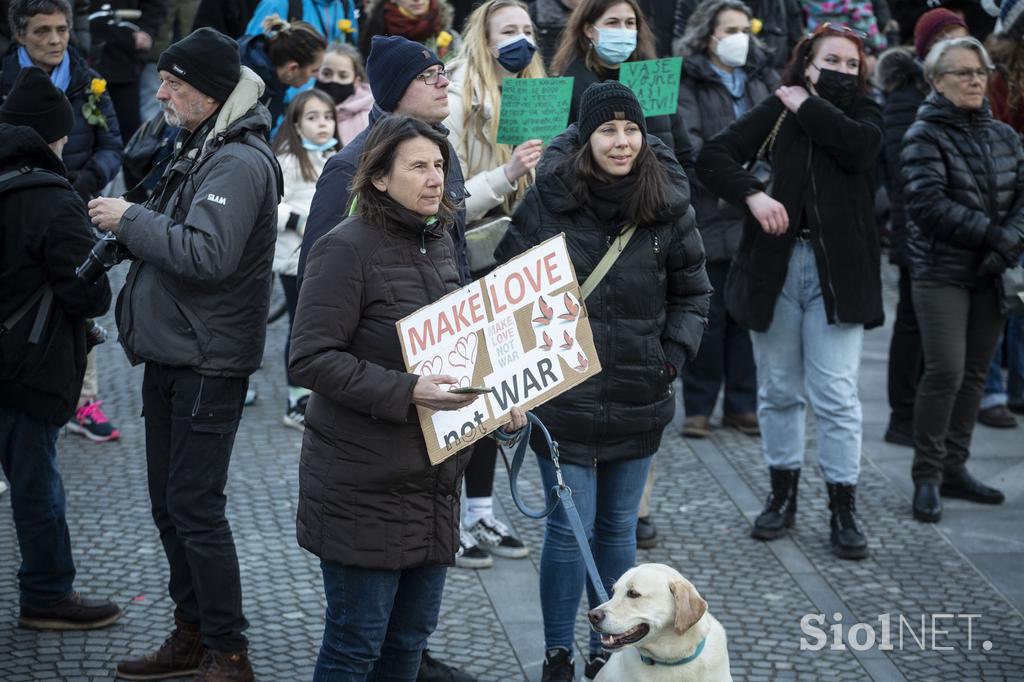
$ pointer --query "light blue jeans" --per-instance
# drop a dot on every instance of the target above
(608, 498)
(803, 358)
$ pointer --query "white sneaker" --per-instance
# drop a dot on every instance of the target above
(494, 537)
(470, 555)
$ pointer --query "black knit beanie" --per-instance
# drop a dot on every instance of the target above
(36, 102)
(393, 62)
(207, 60)
(608, 101)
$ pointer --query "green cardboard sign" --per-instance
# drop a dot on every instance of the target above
(655, 83)
(533, 108)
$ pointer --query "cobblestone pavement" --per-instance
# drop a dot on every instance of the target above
(705, 496)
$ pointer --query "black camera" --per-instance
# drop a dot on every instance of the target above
(94, 335)
(106, 253)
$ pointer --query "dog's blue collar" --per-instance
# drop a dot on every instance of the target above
(682, 661)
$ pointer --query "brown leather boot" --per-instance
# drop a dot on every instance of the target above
(180, 655)
(218, 666)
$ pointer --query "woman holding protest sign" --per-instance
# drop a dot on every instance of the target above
(620, 197)
(384, 522)
(498, 43)
(600, 36)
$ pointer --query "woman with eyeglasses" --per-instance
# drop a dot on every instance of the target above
(964, 186)
(805, 279)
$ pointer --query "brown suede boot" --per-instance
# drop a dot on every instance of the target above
(218, 666)
(180, 655)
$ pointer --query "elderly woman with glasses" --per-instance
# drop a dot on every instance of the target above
(964, 188)
(805, 279)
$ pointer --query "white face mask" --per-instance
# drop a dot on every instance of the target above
(732, 49)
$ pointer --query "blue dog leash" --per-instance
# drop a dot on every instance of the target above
(559, 492)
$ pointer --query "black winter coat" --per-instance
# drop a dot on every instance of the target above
(45, 236)
(707, 105)
(902, 81)
(368, 495)
(822, 164)
(648, 313)
(92, 154)
(549, 17)
(670, 129)
(964, 172)
(119, 61)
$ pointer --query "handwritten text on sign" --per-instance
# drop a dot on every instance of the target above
(521, 331)
(533, 109)
(655, 83)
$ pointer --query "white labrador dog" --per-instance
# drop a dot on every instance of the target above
(660, 629)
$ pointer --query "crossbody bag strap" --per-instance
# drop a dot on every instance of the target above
(44, 296)
(770, 140)
(607, 261)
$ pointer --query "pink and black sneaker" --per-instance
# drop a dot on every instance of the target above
(89, 421)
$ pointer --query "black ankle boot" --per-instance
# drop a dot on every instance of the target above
(848, 542)
(780, 509)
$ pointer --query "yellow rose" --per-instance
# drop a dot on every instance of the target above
(444, 39)
(756, 25)
(98, 87)
(345, 25)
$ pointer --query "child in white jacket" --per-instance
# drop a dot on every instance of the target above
(304, 142)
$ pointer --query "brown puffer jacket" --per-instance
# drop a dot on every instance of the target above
(368, 496)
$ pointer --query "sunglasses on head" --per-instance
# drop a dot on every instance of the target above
(830, 29)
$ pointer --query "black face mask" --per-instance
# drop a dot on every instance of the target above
(339, 92)
(838, 88)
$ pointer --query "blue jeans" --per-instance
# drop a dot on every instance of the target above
(608, 499)
(378, 622)
(997, 393)
(28, 452)
(802, 354)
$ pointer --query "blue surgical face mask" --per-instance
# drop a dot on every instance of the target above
(516, 53)
(314, 147)
(615, 45)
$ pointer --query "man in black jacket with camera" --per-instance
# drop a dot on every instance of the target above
(45, 235)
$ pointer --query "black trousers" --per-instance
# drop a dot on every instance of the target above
(191, 422)
(959, 332)
(290, 287)
(905, 355)
(480, 470)
(725, 356)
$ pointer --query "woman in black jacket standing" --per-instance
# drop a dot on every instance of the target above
(600, 36)
(805, 279)
(725, 74)
(647, 313)
(964, 188)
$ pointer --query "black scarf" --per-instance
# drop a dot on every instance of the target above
(610, 199)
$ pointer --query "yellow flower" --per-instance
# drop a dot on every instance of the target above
(345, 25)
(444, 39)
(756, 25)
(98, 87)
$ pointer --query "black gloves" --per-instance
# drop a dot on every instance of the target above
(86, 182)
(1006, 243)
(991, 265)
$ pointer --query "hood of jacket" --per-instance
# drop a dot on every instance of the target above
(237, 106)
(699, 68)
(252, 51)
(937, 109)
(898, 68)
(23, 146)
(556, 186)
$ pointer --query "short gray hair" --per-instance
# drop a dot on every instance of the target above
(933, 63)
(701, 25)
(21, 11)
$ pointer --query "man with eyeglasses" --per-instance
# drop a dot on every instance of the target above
(405, 78)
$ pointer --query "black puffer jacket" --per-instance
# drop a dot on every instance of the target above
(822, 163)
(550, 17)
(708, 106)
(368, 495)
(964, 172)
(669, 129)
(649, 310)
(900, 77)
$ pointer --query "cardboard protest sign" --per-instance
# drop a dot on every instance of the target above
(533, 109)
(655, 83)
(521, 331)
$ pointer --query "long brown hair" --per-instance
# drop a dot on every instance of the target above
(378, 159)
(288, 140)
(1008, 54)
(804, 53)
(646, 204)
(575, 43)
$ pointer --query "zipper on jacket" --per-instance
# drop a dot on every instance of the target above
(199, 395)
(423, 241)
(821, 239)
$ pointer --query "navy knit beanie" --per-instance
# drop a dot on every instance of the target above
(608, 101)
(393, 63)
(207, 60)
